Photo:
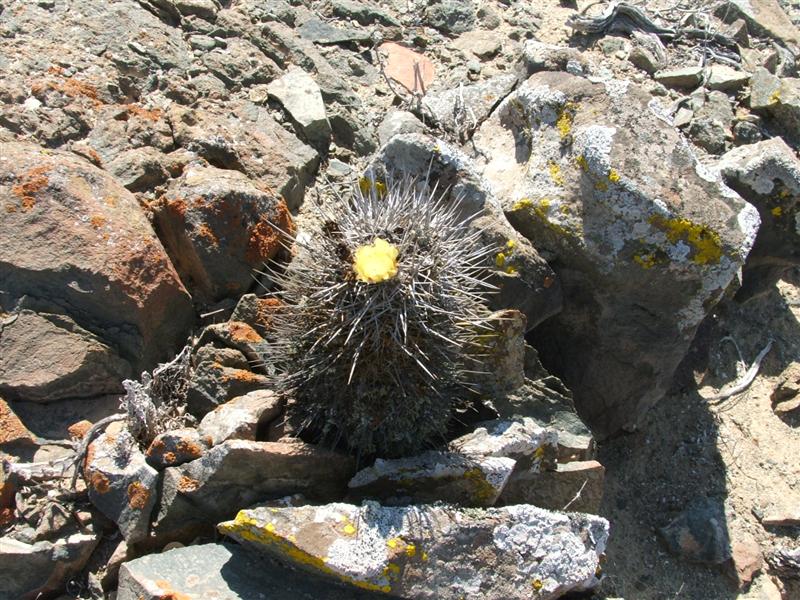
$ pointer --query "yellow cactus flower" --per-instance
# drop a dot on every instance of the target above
(375, 262)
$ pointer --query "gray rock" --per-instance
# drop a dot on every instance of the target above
(502, 353)
(592, 173)
(300, 95)
(222, 572)
(121, 483)
(745, 132)
(255, 312)
(73, 237)
(524, 279)
(785, 561)
(350, 130)
(322, 32)
(540, 56)
(29, 571)
(767, 174)
(726, 79)
(710, 127)
(239, 64)
(461, 110)
(778, 98)
(217, 226)
(239, 473)
(239, 335)
(475, 480)
(365, 13)
(700, 533)
(243, 136)
(397, 122)
(241, 417)
(483, 44)
(575, 486)
(427, 551)
(763, 17)
(451, 16)
(47, 357)
(173, 448)
(688, 77)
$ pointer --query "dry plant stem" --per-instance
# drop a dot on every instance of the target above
(577, 495)
(743, 382)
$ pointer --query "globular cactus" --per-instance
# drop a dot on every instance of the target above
(381, 312)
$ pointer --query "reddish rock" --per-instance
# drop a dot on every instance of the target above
(78, 430)
(72, 236)
(410, 69)
(176, 447)
(12, 429)
(746, 561)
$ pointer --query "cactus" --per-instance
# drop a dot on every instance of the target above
(380, 312)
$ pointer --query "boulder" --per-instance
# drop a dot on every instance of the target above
(644, 239)
(175, 447)
(763, 17)
(767, 174)
(240, 418)
(575, 486)
(71, 236)
(426, 551)
(432, 477)
(779, 98)
(218, 226)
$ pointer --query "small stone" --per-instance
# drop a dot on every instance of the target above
(746, 561)
(397, 122)
(763, 17)
(240, 418)
(79, 429)
(176, 447)
(434, 476)
(778, 517)
(300, 95)
(483, 44)
(699, 534)
(540, 56)
(12, 430)
(610, 45)
(683, 117)
(338, 169)
(726, 79)
(432, 552)
(688, 77)
(745, 132)
(738, 31)
(574, 486)
(412, 70)
(202, 42)
(322, 32)
(362, 12)
(451, 16)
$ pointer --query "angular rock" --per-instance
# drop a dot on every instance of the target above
(300, 95)
(746, 561)
(763, 17)
(48, 357)
(12, 430)
(451, 16)
(644, 239)
(710, 127)
(540, 56)
(256, 312)
(533, 447)
(140, 169)
(483, 44)
(239, 473)
(525, 281)
(30, 571)
(478, 101)
(502, 350)
(238, 335)
(575, 486)
(432, 551)
(240, 418)
(73, 236)
(121, 483)
(362, 12)
(322, 32)
(401, 65)
(244, 137)
(699, 534)
(767, 174)
(173, 448)
(688, 77)
(726, 79)
(434, 476)
(222, 572)
(396, 122)
(786, 562)
(779, 97)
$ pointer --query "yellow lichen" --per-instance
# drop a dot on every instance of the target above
(601, 186)
(582, 163)
(565, 118)
(411, 550)
(375, 262)
(775, 97)
(483, 491)
(349, 529)
(613, 176)
(537, 584)
(777, 211)
(705, 241)
(522, 204)
(555, 173)
(645, 260)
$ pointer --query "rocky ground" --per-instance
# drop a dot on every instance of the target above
(636, 170)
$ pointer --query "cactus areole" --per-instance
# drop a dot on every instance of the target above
(381, 311)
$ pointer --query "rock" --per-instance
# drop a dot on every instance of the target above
(434, 476)
(224, 572)
(451, 16)
(240, 64)
(785, 561)
(782, 517)
(645, 244)
(525, 281)
(738, 31)
(30, 571)
(699, 534)
(763, 17)
(238, 335)
(575, 486)
(397, 122)
(175, 447)
(745, 132)
(432, 551)
(540, 56)
(12, 431)
(726, 79)
(483, 44)
(219, 375)
(240, 418)
(256, 312)
(478, 101)
(401, 64)
(778, 98)
(218, 225)
(139, 169)
(47, 357)
(711, 123)
(300, 95)
(243, 136)
(781, 62)
(53, 420)
(238, 473)
(767, 174)
(73, 237)
(502, 352)
(746, 561)
(322, 32)
(532, 447)
(688, 77)
(364, 13)
(121, 483)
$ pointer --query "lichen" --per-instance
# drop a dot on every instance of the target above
(705, 241)
(565, 118)
(555, 173)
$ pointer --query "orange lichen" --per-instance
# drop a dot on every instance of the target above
(11, 428)
(98, 221)
(78, 430)
(240, 375)
(204, 231)
(186, 484)
(188, 448)
(169, 458)
(242, 332)
(264, 239)
(168, 593)
(139, 111)
(31, 182)
(99, 482)
(138, 495)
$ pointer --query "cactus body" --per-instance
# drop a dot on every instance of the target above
(381, 306)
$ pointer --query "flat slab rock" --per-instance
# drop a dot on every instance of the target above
(221, 572)
(425, 551)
